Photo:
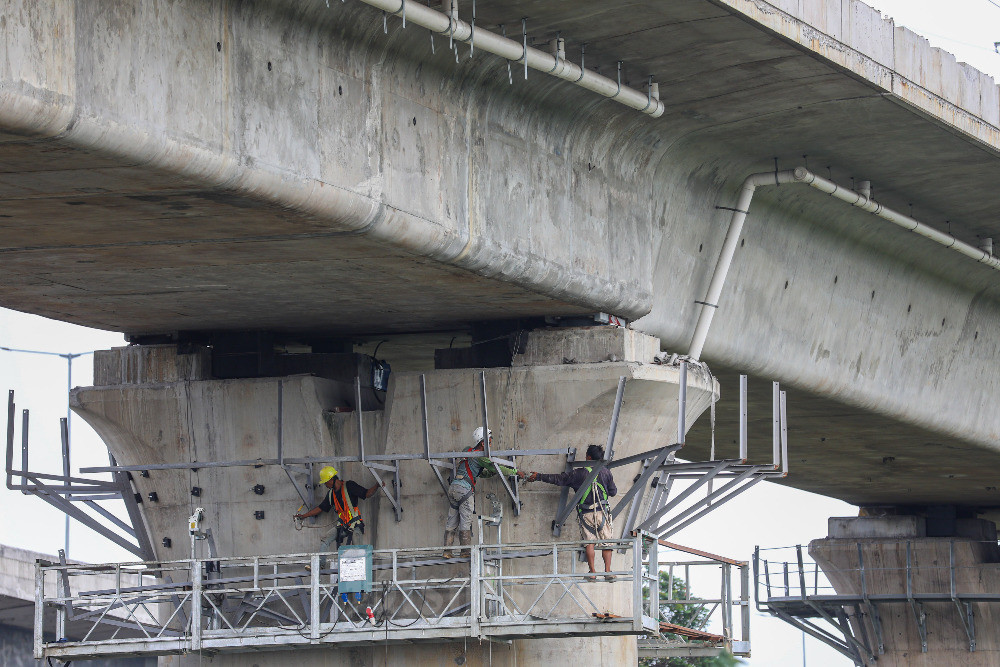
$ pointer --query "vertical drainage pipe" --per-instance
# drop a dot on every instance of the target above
(682, 403)
(846, 195)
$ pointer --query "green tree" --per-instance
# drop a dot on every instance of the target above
(693, 616)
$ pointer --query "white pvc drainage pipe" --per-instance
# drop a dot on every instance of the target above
(451, 26)
(802, 175)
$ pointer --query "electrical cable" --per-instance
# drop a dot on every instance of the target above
(423, 603)
(299, 525)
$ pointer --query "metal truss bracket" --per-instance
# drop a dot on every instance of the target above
(742, 476)
(67, 491)
(822, 635)
(877, 624)
(965, 611)
(511, 487)
(394, 495)
(563, 493)
(919, 615)
(435, 464)
(633, 509)
(968, 616)
(873, 614)
(303, 490)
(373, 467)
(863, 650)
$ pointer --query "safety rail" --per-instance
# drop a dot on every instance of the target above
(497, 592)
(796, 590)
(691, 622)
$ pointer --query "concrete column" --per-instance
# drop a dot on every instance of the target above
(160, 407)
(876, 556)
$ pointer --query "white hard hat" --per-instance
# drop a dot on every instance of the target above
(477, 435)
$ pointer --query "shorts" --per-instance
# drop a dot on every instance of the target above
(596, 524)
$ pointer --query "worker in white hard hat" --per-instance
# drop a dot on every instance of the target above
(343, 497)
(462, 489)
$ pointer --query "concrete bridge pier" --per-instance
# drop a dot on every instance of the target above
(918, 585)
(156, 406)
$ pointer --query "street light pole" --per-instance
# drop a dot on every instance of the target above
(69, 357)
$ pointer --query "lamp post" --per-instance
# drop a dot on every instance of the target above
(69, 357)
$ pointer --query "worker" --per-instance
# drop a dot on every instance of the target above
(462, 489)
(343, 497)
(593, 509)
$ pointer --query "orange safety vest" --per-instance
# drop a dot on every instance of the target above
(348, 514)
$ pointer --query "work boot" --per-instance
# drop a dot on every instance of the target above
(449, 540)
(465, 537)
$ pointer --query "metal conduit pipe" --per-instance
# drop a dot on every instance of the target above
(806, 177)
(549, 63)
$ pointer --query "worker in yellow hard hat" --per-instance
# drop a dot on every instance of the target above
(343, 497)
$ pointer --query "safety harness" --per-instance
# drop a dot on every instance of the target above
(472, 481)
(349, 515)
(595, 499)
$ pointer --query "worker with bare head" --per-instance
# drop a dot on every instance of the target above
(343, 497)
(461, 491)
(594, 511)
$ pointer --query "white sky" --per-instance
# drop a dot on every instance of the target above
(966, 28)
(768, 515)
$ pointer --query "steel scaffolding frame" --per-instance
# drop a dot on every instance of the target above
(857, 618)
(65, 492)
(663, 516)
(272, 602)
(389, 463)
(137, 612)
(696, 641)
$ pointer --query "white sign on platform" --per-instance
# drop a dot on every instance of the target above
(352, 568)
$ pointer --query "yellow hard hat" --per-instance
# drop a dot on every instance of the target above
(326, 473)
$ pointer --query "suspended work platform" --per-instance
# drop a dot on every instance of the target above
(496, 592)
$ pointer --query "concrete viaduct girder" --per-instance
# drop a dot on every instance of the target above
(277, 165)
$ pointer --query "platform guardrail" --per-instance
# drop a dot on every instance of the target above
(492, 592)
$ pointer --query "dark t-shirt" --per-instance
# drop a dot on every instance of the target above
(577, 477)
(355, 492)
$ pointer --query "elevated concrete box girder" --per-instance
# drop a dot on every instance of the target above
(291, 166)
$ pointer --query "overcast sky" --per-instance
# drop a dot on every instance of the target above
(768, 515)
(966, 28)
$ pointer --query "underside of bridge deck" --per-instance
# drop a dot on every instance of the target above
(297, 168)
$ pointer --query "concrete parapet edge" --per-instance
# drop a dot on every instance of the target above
(864, 59)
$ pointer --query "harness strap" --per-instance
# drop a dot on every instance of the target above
(460, 500)
(352, 514)
(472, 482)
(468, 468)
(594, 499)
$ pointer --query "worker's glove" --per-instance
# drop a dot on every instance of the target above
(361, 527)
